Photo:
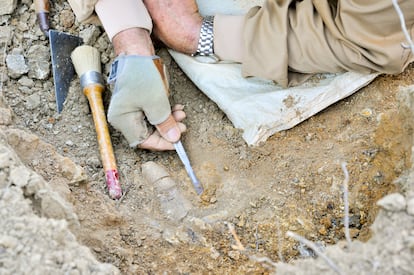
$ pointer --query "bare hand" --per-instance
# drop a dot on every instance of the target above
(155, 142)
(177, 23)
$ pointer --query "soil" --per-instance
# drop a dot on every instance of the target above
(293, 182)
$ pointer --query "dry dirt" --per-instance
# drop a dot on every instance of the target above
(293, 182)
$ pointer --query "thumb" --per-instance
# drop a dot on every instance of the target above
(169, 129)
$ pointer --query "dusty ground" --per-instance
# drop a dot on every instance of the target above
(291, 183)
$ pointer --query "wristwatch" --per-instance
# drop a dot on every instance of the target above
(205, 48)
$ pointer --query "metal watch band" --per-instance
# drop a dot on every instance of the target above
(206, 40)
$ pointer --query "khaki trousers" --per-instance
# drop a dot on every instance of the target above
(286, 37)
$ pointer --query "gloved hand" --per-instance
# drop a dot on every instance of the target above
(141, 91)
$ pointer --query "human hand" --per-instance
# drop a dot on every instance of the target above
(141, 91)
(176, 23)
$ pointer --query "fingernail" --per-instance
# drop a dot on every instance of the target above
(173, 134)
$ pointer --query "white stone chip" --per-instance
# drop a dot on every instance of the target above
(393, 202)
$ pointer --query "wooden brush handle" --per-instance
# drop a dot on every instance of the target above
(94, 94)
(42, 8)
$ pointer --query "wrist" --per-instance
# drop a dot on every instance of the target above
(205, 44)
(194, 35)
(188, 41)
(133, 41)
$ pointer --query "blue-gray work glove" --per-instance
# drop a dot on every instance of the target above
(141, 90)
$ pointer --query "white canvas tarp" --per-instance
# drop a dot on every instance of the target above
(260, 107)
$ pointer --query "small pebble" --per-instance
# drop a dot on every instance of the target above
(366, 112)
(235, 255)
(69, 143)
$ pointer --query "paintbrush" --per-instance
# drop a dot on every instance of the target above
(87, 63)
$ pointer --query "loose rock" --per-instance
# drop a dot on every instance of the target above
(16, 64)
(38, 61)
(27, 82)
(410, 206)
(7, 6)
(20, 176)
(33, 101)
(5, 34)
(6, 116)
(90, 34)
(393, 202)
(67, 19)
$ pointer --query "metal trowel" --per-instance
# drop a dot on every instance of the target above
(61, 47)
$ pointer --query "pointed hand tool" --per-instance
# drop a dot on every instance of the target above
(185, 160)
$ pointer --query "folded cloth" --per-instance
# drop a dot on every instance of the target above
(260, 107)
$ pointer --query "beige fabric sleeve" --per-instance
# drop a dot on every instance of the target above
(228, 37)
(114, 16)
(118, 16)
(286, 41)
(84, 10)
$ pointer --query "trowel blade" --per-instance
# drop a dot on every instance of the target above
(61, 47)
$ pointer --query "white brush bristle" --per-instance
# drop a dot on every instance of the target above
(86, 58)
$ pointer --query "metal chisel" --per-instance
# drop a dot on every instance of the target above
(184, 158)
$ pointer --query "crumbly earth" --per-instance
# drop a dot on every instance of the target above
(56, 215)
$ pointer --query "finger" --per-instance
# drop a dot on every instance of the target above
(169, 129)
(182, 127)
(178, 107)
(179, 115)
(156, 142)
